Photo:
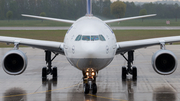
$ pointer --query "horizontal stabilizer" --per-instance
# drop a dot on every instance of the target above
(47, 18)
(129, 18)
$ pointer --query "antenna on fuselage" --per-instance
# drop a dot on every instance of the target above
(89, 8)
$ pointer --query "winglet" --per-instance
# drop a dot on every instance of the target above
(47, 18)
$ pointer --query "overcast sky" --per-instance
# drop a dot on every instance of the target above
(138, 0)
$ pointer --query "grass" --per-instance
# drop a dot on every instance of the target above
(137, 22)
(58, 35)
(128, 35)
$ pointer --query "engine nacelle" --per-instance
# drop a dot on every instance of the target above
(14, 62)
(164, 62)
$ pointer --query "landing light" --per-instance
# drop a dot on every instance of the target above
(93, 73)
(87, 73)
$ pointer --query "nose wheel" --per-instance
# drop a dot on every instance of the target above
(89, 86)
(86, 88)
(94, 88)
(89, 81)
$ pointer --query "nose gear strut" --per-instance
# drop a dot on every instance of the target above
(89, 81)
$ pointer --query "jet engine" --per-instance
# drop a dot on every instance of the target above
(164, 62)
(14, 62)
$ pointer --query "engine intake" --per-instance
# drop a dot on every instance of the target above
(164, 62)
(14, 62)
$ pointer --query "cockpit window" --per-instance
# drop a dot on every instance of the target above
(90, 38)
(94, 38)
(78, 38)
(102, 38)
(86, 38)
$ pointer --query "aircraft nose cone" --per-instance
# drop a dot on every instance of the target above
(91, 50)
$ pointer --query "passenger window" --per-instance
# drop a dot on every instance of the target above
(94, 38)
(86, 38)
(78, 38)
(102, 38)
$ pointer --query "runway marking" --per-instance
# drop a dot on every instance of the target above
(41, 91)
(77, 64)
(106, 98)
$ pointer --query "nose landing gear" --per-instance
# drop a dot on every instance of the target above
(89, 81)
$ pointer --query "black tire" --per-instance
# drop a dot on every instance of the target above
(94, 88)
(94, 81)
(124, 72)
(44, 72)
(134, 73)
(86, 88)
(54, 72)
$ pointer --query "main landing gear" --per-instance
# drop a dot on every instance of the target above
(49, 70)
(130, 69)
(89, 81)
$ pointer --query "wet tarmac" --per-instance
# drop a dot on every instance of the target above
(149, 86)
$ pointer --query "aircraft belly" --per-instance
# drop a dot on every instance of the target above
(95, 63)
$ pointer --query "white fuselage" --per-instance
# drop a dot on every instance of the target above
(90, 43)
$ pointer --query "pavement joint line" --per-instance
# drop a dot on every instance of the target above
(41, 91)
(169, 85)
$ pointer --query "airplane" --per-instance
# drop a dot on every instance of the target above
(89, 45)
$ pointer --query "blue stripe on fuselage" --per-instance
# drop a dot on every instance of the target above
(89, 7)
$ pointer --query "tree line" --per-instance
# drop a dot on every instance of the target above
(73, 9)
(167, 11)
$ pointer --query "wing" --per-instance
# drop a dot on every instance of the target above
(129, 18)
(41, 44)
(47, 18)
(132, 45)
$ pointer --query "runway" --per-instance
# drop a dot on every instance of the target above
(114, 28)
(149, 86)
